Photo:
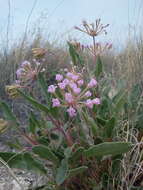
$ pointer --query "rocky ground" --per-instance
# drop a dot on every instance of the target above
(28, 180)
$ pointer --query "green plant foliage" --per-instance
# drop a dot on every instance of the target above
(35, 103)
(34, 123)
(44, 86)
(45, 153)
(75, 126)
(76, 171)
(76, 155)
(99, 67)
(7, 112)
(76, 58)
(22, 161)
(108, 148)
(119, 101)
(109, 128)
(62, 172)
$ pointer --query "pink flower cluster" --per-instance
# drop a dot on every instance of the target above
(27, 72)
(75, 92)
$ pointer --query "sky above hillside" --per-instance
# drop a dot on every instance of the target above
(59, 16)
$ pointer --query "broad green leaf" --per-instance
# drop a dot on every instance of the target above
(22, 161)
(68, 152)
(76, 155)
(76, 171)
(108, 148)
(34, 102)
(45, 153)
(33, 164)
(8, 113)
(62, 172)
(33, 123)
(43, 140)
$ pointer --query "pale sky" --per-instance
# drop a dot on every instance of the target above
(59, 16)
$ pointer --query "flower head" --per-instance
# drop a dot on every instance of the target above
(66, 81)
(71, 95)
(62, 85)
(19, 72)
(27, 73)
(76, 90)
(56, 102)
(37, 63)
(73, 85)
(96, 101)
(89, 103)
(69, 98)
(52, 88)
(71, 111)
(72, 76)
(75, 77)
(88, 94)
(92, 83)
(25, 64)
(80, 82)
(59, 77)
(69, 75)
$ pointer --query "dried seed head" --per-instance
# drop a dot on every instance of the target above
(3, 125)
(38, 52)
(12, 90)
(98, 48)
(93, 29)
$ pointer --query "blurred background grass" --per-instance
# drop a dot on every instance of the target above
(125, 65)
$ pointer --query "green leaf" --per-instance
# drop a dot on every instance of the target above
(76, 155)
(22, 161)
(45, 153)
(109, 127)
(101, 121)
(14, 145)
(33, 164)
(99, 67)
(68, 152)
(62, 172)
(76, 171)
(92, 124)
(8, 113)
(94, 127)
(43, 140)
(34, 102)
(43, 86)
(33, 123)
(108, 148)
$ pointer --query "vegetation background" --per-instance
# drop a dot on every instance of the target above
(123, 63)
